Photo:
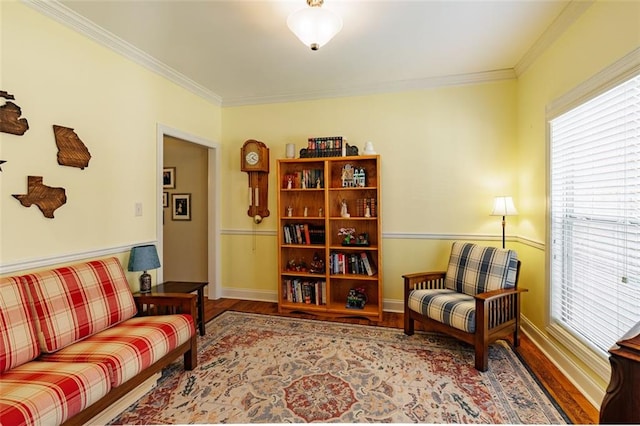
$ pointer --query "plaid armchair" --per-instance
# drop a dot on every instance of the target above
(477, 299)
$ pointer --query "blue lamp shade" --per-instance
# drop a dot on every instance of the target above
(143, 258)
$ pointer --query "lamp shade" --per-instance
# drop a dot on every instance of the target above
(143, 258)
(503, 206)
(314, 26)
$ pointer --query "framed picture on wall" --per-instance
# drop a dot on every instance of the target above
(169, 177)
(165, 199)
(181, 206)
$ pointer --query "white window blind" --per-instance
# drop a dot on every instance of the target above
(595, 217)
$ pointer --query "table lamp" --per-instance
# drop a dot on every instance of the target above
(503, 206)
(143, 258)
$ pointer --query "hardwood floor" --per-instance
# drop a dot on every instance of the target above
(576, 406)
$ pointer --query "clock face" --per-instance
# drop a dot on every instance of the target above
(252, 158)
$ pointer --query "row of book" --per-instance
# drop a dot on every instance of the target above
(352, 263)
(366, 205)
(303, 233)
(310, 292)
(308, 178)
(325, 147)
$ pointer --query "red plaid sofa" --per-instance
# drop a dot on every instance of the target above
(71, 343)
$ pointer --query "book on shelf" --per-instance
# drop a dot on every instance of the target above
(363, 203)
(304, 179)
(309, 292)
(351, 263)
(303, 233)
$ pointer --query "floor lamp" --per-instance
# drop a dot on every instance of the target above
(503, 206)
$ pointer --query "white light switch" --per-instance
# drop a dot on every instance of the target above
(138, 209)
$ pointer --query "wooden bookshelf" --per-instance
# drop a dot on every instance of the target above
(309, 203)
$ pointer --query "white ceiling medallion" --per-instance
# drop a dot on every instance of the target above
(313, 25)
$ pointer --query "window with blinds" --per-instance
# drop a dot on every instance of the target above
(595, 217)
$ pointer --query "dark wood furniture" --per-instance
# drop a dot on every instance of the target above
(621, 403)
(497, 314)
(185, 287)
(148, 304)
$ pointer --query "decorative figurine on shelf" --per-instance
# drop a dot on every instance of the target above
(363, 239)
(289, 211)
(347, 176)
(304, 183)
(289, 183)
(357, 298)
(367, 211)
(292, 266)
(306, 212)
(320, 212)
(349, 239)
(318, 183)
(362, 178)
(317, 265)
(344, 212)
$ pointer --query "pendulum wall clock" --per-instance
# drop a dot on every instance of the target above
(254, 159)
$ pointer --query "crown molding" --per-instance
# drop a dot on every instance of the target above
(389, 87)
(567, 17)
(71, 19)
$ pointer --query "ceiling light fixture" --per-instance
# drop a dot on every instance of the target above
(313, 25)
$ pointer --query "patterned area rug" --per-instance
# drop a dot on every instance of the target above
(266, 369)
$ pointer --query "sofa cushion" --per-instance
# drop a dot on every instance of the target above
(449, 307)
(77, 301)
(131, 346)
(18, 343)
(48, 393)
(476, 269)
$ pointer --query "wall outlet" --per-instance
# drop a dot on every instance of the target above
(138, 209)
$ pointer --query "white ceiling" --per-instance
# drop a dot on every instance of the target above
(242, 52)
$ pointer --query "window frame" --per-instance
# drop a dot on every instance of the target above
(622, 70)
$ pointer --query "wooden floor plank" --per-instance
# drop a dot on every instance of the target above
(575, 405)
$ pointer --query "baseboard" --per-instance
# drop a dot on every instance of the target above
(582, 381)
(250, 294)
(123, 403)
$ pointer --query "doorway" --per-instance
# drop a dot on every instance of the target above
(188, 244)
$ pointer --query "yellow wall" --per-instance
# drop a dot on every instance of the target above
(445, 154)
(59, 76)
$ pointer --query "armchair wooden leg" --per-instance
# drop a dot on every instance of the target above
(516, 337)
(482, 358)
(408, 324)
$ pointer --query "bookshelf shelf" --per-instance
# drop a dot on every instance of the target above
(310, 201)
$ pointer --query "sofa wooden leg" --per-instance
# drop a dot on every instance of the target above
(191, 356)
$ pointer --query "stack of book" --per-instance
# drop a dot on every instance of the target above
(325, 147)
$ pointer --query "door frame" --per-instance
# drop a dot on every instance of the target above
(214, 289)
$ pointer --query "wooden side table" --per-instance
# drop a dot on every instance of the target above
(186, 287)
